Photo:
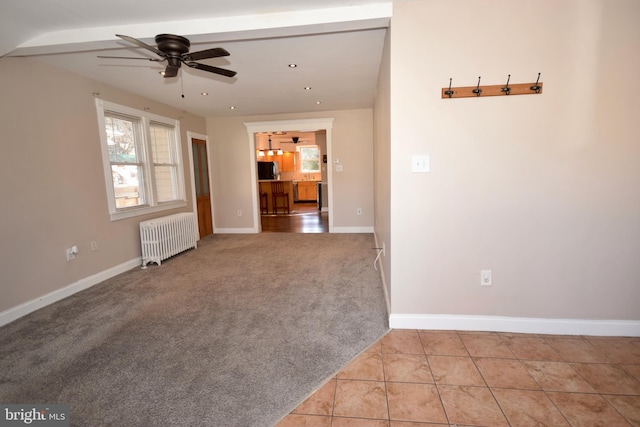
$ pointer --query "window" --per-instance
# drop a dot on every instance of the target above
(142, 161)
(310, 159)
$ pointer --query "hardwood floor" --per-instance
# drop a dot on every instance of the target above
(304, 218)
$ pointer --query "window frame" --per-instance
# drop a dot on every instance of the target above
(148, 182)
(300, 149)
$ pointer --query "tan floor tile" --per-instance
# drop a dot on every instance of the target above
(361, 399)
(447, 344)
(455, 370)
(407, 368)
(320, 402)
(587, 410)
(628, 406)
(506, 373)
(607, 378)
(557, 376)
(623, 351)
(415, 402)
(402, 341)
(486, 345)
(633, 370)
(531, 348)
(375, 348)
(358, 422)
(412, 424)
(293, 420)
(368, 366)
(471, 406)
(577, 350)
(528, 408)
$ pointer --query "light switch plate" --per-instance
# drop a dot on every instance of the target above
(420, 163)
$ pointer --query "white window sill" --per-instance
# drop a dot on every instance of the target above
(145, 210)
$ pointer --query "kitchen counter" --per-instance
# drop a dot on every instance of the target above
(265, 187)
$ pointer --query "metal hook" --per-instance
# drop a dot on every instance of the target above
(507, 89)
(449, 92)
(535, 87)
(477, 90)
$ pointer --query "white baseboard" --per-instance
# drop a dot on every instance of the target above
(629, 328)
(235, 231)
(368, 229)
(23, 309)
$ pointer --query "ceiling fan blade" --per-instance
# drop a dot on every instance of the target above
(211, 69)
(216, 52)
(141, 44)
(131, 57)
(171, 71)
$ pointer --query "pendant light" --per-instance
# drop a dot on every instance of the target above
(270, 152)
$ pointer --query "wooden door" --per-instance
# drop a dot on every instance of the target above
(203, 192)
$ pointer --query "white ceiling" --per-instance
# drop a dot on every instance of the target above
(337, 49)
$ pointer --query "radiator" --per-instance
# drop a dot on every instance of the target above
(167, 236)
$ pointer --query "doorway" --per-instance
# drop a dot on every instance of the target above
(201, 185)
(324, 218)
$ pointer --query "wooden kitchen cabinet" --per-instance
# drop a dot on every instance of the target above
(287, 162)
(307, 190)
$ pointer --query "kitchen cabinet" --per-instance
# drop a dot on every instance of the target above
(307, 191)
(265, 187)
(286, 161)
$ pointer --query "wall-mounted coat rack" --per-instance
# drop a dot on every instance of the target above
(493, 90)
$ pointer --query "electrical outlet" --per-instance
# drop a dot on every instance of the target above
(485, 278)
(239, 212)
(94, 245)
(359, 211)
(72, 252)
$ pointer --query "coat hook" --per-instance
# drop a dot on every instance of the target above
(507, 89)
(477, 90)
(449, 92)
(535, 87)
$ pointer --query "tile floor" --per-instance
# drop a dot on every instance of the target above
(421, 378)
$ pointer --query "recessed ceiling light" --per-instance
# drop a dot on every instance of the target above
(293, 65)
(161, 73)
(233, 107)
(318, 102)
(307, 88)
(204, 93)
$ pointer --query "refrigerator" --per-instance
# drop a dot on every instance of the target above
(268, 170)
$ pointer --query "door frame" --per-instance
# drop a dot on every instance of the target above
(303, 125)
(190, 137)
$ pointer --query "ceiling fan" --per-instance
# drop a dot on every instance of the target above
(175, 50)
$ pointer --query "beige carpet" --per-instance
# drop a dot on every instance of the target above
(235, 333)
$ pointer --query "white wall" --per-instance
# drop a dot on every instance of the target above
(541, 189)
(351, 142)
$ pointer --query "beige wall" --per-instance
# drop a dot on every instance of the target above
(541, 189)
(382, 163)
(52, 181)
(351, 142)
